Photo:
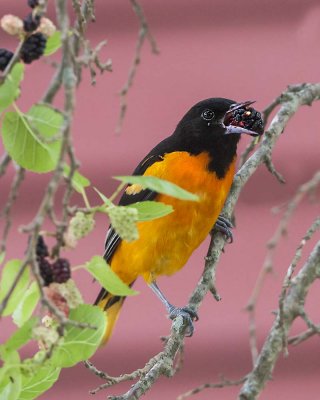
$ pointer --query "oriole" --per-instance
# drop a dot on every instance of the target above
(200, 157)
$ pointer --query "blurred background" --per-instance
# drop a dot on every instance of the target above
(243, 50)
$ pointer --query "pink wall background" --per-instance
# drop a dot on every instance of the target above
(241, 50)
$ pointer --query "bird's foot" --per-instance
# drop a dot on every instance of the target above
(188, 316)
(224, 226)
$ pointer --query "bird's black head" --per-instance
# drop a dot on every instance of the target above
(213, 117)
(215, 126)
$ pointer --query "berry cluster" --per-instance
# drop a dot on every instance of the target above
(247, 118)
(58, 272)
(34, 28)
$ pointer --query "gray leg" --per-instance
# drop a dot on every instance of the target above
(187, 314)
(224, 226)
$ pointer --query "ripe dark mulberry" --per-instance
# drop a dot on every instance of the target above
(41, 248)
(31, 23)
(61, 270)
(45, 271)
(33, 3)
(247, 118)
(5, 57)
(33, 48)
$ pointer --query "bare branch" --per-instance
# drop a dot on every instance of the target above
(267, 267)
(271, 168)
(273, 345)
(16, 183)
(144, 33)
(85, 13)
(222, 384)
(5, 161)
(268, 110)
(90, 59)
(111, 380)
(287, 283)
(250, 147)
(308, 322)
(295, 340)
(54, 86)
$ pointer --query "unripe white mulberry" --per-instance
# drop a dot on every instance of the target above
(123, 219)
(11, 24)
(81, 225)
(47, 27)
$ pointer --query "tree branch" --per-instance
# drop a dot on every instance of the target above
(288, 281)
(272, 244)
(144, 33)
(222, 384)
(274, 344)
(295, 340)
(16, 183)
(5, 161)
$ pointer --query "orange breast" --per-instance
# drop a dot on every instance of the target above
(165, 244)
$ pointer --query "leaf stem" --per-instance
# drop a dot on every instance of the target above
(85, 198)
(117, 191)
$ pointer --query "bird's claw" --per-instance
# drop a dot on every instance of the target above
(188, 316)
(224, 226)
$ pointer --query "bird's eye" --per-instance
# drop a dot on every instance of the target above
(207, 115)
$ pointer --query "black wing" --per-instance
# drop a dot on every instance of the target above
(113, 239)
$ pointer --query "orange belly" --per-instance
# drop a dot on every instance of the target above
(165, 244)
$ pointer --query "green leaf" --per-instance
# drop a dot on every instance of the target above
(79, 182)
(9, 274)
(35, 384)
(159, 186)
(27, 305)
(21, 336)
(10, 376)
(53, 44)
(45, 119)
(80, 344)
(10, 90)
(148, 210)
(101, 271)
(25, 146)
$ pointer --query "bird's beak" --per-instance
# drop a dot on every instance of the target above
(235, 106)
(239, 130)
(234, 128)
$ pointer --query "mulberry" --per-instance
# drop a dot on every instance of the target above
(12, 25)
(248, 118)
(5, 57)
(45, 271)
(31, 23)
(61, 270)
(33, 48)
(41, 248)
(33, 3)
